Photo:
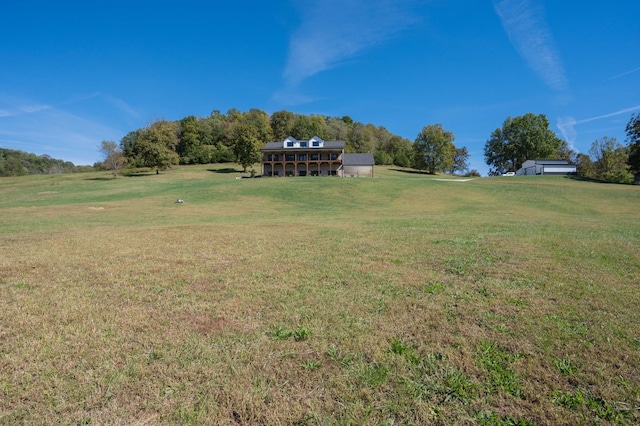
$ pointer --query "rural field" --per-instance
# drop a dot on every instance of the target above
(406, 299)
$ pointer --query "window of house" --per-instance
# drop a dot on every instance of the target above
(316, 143)
(302, 157)
(334, 156)
(302, 173)
(303, 144)
(275, 157)
(290, 157)
(315, 156)
(289, 144)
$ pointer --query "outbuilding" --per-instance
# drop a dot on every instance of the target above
(547, 167)
(357, 165)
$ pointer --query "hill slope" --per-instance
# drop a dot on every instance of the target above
(401, 299)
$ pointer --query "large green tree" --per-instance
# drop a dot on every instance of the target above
(521, 138)
(307, 127)
(260, 121)
(156, 145)
(585, 167)
(633, 141)
(434, 150)
(400, 150)
(610, 160)
(361, 138)
(190, 148)
(246, 145)
(282, 123)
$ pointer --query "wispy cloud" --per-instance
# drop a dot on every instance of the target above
(567, 125)
(122, 106)
(623, 74)
(524, 22)
(355, 25)
(49, 129)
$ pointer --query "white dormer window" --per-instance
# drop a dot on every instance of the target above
(290, 142)
(316, 142)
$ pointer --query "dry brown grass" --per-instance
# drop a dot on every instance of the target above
(146, 312)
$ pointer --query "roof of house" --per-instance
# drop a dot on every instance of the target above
(549, 161)
(358, 159)
(277, 146)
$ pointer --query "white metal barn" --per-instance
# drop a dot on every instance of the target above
(547, 167)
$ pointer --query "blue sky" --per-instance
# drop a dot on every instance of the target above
(75, 73)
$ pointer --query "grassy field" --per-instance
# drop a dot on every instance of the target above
(403, 299)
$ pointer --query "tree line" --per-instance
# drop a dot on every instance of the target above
(19, 163)
(528, 137)
(237, 136)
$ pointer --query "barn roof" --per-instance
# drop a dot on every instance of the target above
(358, 159)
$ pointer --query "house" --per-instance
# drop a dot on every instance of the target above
(313, 157)
(547, 167)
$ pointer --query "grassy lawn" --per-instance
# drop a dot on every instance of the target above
(403, 299)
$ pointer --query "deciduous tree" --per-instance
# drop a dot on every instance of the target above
(190, 148)
(633, 141)
(460, 161)
(610, 159)
(282, 123)
(156, 145)
(584, 166)
(246, 145)
(522, 138)
(114, 158)
(433, 149)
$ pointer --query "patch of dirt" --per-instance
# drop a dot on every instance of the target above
(204, 323)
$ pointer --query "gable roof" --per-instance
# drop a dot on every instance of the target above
(365, 159)
(550, 161)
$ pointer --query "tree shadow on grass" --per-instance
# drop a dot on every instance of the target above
(593, 180)
(100, 178)
(225, 170)
(412, 171)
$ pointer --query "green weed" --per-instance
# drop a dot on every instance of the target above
(311, 365)
(339, 357)
(375, 375)
(280, 333)
(579, 399)
(492, 419)
(301, 333)
(497, 363)
(565, 366)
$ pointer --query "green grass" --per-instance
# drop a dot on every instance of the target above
(402, 299)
